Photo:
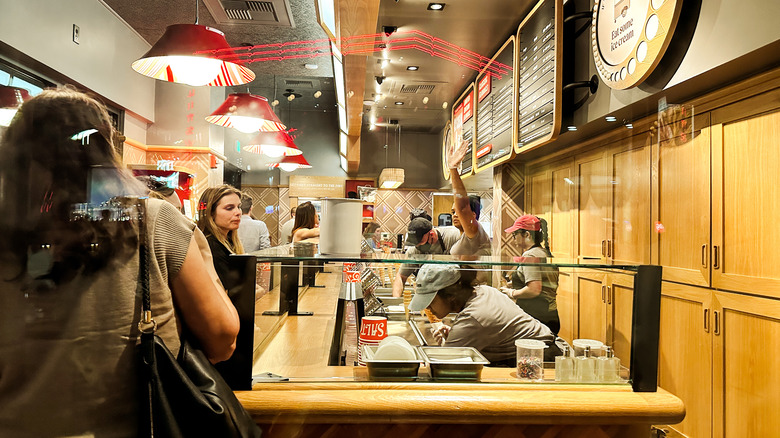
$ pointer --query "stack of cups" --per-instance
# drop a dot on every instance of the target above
(372, 330)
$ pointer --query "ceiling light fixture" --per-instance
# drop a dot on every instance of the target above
(399, 103)
(572, 128)
(311, 66)
(290, 163)
(186, 54)
(610, 118)
(246, 113)
(413, 68)
(11, 98)
(436, 6)
(391, 178)
(273, 144)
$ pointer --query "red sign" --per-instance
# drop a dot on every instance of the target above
(484, 87)
(352, 277)
(468, 107)
(349, 266)
(458, 113)
(484, 150)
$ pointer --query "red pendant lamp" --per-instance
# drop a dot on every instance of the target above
(246, 113)
(185, 54)
(11, 98)
(273, 144)
(290, 163)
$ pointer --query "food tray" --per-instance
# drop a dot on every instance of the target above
(390, 369)
(454, 363)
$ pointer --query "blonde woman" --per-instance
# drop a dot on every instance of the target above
(219, 215)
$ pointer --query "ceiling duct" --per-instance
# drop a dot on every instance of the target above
(301, 83)
(417, 89)
(272, 12)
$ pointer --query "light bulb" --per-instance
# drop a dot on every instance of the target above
(275, 102)
(288, 167)
(194, 70)
(317, 94)
(290, 98)
(425, 100)
(273, 151)
(246, 125)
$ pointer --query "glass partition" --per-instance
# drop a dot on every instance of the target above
(311, 319)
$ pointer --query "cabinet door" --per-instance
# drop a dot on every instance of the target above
(591, 306)
(685, 354)
(746, 334)
(684, 205)
(620, 304)
(746, 201)
(630, 221)
(593, 189)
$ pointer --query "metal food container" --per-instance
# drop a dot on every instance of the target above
(391, 369)
(454, 363)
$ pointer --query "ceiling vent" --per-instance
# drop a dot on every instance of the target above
(301, 83)
(417, 89)
(273, 12)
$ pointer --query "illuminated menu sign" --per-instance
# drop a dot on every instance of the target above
(463, 128)
(496, 111)
(539, 76)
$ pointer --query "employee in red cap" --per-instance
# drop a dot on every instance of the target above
(534, 287)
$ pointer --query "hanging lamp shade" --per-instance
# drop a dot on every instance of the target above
(185, 54)
(290, 163)
(246, 113)
(273, 144)
(391, 178)
(11, 98)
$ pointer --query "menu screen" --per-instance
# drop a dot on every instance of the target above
(463, 128)
(495, 109)
(538, 76)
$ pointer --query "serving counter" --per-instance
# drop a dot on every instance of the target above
(300, 391)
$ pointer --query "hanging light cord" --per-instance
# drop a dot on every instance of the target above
(197, 17)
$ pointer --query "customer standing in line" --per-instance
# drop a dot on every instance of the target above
(252, 233)
(307, 222)
(534, 287)
(219, 215)
(69, 270)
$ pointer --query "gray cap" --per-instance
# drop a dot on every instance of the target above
(432, 278)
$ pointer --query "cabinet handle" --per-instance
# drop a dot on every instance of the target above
(716, 257)
(704, 255)
(706, 320)
(609, 294)
(603, 290)
(609, 248)
(603, 248)
(716, 329)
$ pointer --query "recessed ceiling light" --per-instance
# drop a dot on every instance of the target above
(572, 128)
(610, 118)
(629, 126)
(311, 66)
(436, 6)
(413, 68)
(399, 103)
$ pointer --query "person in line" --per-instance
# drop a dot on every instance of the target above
(423, 239)
(69, 277)
(252, 233)
(219, 215)
(485, 319)
(534, 287)
(371, 234)
(474, 240)
(285, 232)
(307, 222)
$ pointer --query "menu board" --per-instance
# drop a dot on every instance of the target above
(496, 110)
(539, 76)
(463, 128)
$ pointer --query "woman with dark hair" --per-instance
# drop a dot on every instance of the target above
(534, 287)
(485, 318)
(307, 222)
(219, 215)
(69, 264)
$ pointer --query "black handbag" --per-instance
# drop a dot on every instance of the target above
(183, 396)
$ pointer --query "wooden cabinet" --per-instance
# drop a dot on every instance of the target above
(593, 192)
(683, 200)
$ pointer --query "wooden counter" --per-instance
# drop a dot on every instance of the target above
(340, 401)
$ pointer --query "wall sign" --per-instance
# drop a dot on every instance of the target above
(539, 53)
(304, 186)
(463, 122)
(496, 109)
(629, 38)
(446, 144)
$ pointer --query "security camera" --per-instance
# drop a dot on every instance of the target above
(380, 79)
(389, 30)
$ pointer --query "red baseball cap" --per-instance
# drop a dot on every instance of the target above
(527, 222)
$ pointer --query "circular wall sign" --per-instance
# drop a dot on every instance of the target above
(630, 37)
(446, 144)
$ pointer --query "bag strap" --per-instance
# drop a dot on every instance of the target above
(146, 324)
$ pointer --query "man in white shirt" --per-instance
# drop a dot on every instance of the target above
(286, 231)
(252, 233)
